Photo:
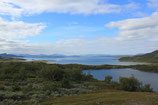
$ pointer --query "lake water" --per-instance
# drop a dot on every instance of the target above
(87, 60)
(145, 77)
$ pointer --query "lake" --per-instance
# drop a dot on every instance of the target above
(145, 77)
(86, 60)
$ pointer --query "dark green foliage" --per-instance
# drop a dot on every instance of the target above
(65, 83)
(19, 70)
(147, 68)
(27, 88)
(115, 84)
(129, 84)
(51, 86)
(108, 79)
(146, 88)
(2, 96)
(16, 88)
(28, 83)
(88, 77)
(53, 73)
(2, 87)
(132, 84)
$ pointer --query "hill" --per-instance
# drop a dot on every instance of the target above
(3, 59)
(149, 57)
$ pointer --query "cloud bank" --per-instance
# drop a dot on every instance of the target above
(153, 4)
(137, 29)
(19, 29)
(27, 7)
(132, 34)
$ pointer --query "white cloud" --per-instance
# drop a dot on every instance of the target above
(137, 29)
(19, 47)
(19, 29)
(9, 9)
(79, 46)
(61, 6)
(153, 3)
(136, 35)
(104, 45)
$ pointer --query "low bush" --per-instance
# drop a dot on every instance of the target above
(129, 84)
(108, 79)
(51, 86)
(16, 88)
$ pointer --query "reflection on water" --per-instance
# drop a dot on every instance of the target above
(145, 77)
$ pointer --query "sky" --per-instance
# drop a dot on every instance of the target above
(74, 27)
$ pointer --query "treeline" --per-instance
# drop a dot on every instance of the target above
(146, 68)
(51, 72)
(24, 70)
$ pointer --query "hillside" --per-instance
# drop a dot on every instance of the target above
(2, 58)
(149, 57)
(5, 58)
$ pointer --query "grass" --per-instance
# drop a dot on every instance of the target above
(105, 94)
(106, 98)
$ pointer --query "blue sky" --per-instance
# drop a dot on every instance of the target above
(78, 26)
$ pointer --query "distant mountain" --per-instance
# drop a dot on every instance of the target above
(149, 57)
(8, 55)
(42, 56)
(97, 55)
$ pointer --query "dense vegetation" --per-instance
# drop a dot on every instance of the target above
(150, 57)
(146, 68)
(129, 84)
(30, 83)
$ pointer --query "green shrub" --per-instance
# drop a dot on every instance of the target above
(88, 77)
(129, 84)
(76, 75)
(27, 88)
(146, 88)
(53, 74)
(108, 79)
(51, 86)
(16, 88)
(2, 96)
(115, 84)
(65, 83)
(2, 87)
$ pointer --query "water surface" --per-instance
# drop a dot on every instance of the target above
(145, 77)
(86, 60)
